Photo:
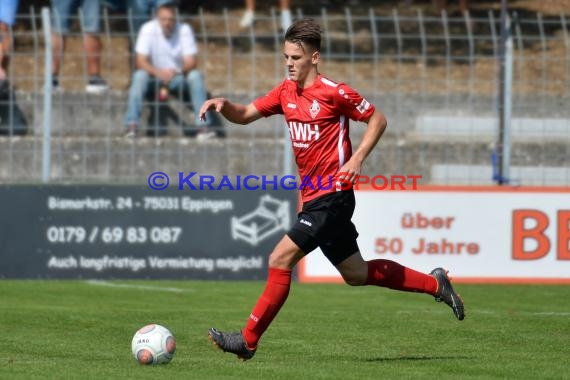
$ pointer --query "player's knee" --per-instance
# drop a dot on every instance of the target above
(195, 76)
(279, 260)
(140, 74)
(276, 261)
(140, 77)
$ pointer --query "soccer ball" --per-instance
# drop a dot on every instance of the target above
(153, 344)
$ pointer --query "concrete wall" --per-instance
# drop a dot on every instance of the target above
(88, 142)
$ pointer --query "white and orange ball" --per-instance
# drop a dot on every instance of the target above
(153, 344)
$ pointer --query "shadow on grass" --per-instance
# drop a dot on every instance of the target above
(413, 358)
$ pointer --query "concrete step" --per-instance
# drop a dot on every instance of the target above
(86, 115)
(81, 114)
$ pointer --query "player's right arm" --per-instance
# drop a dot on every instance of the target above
(244, 114)
(234, 112)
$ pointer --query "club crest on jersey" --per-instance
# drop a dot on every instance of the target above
(314, 109)
(363, 106)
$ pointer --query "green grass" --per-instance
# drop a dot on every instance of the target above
(77, 330)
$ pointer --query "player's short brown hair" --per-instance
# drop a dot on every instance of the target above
(305, 31)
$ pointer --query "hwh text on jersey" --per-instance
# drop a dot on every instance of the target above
(303, 131)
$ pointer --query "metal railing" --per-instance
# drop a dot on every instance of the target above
(435, 77)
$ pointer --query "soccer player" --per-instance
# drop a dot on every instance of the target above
(317, 111)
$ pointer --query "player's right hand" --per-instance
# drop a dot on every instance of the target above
(216, 104)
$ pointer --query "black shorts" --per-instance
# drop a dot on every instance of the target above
(325, 222)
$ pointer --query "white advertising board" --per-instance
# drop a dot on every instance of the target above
(483, 234)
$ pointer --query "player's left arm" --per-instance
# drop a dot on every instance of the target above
(377, 124)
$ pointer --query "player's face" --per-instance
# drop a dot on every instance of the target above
(167, 20)
(300, 60)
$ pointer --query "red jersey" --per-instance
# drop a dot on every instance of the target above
(317, 117)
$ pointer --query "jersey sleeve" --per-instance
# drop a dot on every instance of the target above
(270, 104)
(352, 104)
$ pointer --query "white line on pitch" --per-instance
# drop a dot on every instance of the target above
(139, 287)
(491, 312)
(553, 313)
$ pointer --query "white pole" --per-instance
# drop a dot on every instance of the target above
(287, 147)
(507, 104)
(505, 101)
(46, 158)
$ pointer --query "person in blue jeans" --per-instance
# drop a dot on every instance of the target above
(8, 10)
(12, 120)
(63, 12)
(138, 12)
(166, 62)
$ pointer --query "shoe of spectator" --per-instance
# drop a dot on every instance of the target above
(247, 19)
(205, 135)
(96, 85)
(131, 131)
(55, 87)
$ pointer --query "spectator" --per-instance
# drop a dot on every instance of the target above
(12, 121)
(139, 12)
(249, 14)
(441, 5)
(63, 12)
(166, 58)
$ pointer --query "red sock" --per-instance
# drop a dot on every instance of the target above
(268, 305)
(390, 274)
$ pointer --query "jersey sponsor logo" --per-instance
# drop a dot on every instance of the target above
(306, 222)
(300, 145)
(315, 108)
(291, 105)
(363, 106)
(303, 131)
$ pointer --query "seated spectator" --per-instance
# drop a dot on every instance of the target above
(63, 12)
(12, 121)
(166, 58)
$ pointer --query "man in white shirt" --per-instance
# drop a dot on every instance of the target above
(166, 64)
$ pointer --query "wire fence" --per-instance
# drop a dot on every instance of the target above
(435, 77)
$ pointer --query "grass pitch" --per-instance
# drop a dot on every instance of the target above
(83, 330)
